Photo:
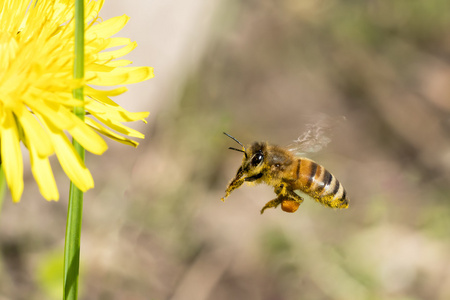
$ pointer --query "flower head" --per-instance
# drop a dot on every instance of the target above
(36, 83)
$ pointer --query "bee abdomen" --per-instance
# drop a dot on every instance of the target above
(320, 184)
(334, 194)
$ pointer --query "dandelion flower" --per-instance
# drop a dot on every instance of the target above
(36, 83)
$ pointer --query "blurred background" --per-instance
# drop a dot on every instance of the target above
(154, 226)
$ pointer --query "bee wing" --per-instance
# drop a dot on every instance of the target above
(315, 138)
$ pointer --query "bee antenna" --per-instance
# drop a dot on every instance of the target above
(235, 149)
(240, 150)
(234, 140)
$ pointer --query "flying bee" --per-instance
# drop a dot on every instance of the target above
(287, 173)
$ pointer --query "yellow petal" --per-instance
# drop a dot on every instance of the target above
(12, 156)
(125, 75)
(118, 63)
(113, 92)
(112, 135)
(110, 55)
(107, 28)
(63, 98)
(110, 110)
(53, 113)
(92, 8)
(117, 126)
(70, 161)
(42, 172)
(90, 140)
(34, 133)
(117, 41)
(92, 69)
(95, 46)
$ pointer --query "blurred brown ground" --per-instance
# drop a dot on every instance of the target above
(154, 226)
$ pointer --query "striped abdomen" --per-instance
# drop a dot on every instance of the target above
(316, 181)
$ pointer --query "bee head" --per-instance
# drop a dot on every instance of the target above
(255, 155)
(252, 162)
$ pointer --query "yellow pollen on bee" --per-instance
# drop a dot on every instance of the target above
(289, 206)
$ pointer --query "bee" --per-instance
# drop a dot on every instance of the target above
(287, 173)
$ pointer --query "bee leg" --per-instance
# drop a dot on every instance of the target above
(272, 203)
(280, 190)
(288, 199)
(236, 183)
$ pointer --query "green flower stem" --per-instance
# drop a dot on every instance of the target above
(75, 210)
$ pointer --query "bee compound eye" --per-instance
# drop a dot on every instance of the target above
(257, 159)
